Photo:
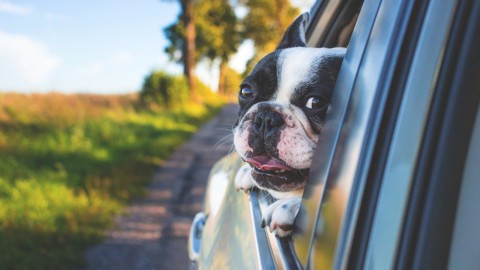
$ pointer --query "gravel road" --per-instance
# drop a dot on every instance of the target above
(153, 232)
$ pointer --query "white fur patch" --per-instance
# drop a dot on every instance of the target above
(294, 67)
(281, 213)
(240, 138)
(243, 179)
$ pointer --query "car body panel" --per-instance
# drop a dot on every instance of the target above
(228, 238)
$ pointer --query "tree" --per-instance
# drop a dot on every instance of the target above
(182, 36)
(265, 23)
(217, 35)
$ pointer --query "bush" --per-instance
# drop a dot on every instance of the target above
(163, 89)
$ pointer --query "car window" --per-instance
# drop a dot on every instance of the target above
(466, 241)
(361, 78)
(435, 194)
(408, 136)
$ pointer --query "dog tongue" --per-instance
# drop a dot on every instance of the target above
(267, 163)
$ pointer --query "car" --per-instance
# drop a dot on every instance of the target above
(394, 181)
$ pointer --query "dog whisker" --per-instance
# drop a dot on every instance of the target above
(223, 141)
(231, 148)
(226, 137)
(220, 144)
(224, 129)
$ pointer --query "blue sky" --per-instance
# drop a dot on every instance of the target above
(82, 46)
(102, 46)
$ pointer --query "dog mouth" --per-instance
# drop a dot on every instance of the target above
(268, 165)
(272, 173)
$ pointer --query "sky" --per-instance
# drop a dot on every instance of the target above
(104, 46)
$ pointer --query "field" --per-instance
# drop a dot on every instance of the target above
(68, 163)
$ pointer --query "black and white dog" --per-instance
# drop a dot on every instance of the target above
(283, 103)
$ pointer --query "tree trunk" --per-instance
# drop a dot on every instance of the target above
(189, 46)
(221, 77)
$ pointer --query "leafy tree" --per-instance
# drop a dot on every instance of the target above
(265, 23)
(217, 34)
(182, 37)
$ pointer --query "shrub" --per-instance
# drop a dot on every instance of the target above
(163, 89)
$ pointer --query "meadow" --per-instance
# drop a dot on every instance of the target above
(69, 163)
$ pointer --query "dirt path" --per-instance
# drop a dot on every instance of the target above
(153, 233)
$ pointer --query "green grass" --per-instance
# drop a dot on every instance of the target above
(69, 163)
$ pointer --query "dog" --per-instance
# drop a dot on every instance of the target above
(283, 103)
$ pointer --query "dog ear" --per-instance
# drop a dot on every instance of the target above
(295, 34)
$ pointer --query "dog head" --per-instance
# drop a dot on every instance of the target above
(283, 102)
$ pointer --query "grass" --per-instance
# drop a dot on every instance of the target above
(69, 163)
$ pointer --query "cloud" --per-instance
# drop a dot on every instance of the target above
(7, 7)
(16, 9)
(22, 58)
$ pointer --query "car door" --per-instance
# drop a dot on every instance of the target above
(391, 160)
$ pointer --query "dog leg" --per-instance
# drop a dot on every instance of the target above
(280, 216)
(243, 179)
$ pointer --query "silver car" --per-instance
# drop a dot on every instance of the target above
(395, 183)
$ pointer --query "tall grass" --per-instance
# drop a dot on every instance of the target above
(68, 163)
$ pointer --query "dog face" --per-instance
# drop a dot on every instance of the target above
(283, 103)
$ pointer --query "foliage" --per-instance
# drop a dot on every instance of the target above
(161, 90)
(233, 79)
(217, 34)
(216, 31)
(68, 163)
(182, 35)
(265, 24)
(164, 89)
(175, 33)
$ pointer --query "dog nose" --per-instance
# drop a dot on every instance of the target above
(266, 122)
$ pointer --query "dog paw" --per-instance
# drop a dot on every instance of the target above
(280, 216)
(243, 179)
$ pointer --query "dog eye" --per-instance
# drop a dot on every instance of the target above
(246, 92)
(316, 103)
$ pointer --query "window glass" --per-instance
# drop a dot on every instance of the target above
(466, 241)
